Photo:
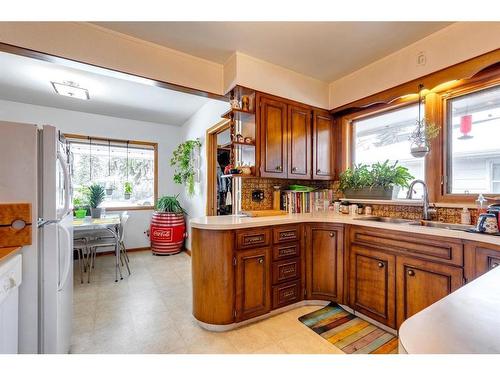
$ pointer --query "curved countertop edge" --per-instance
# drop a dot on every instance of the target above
(6, 252)
(464, 322)
(238, 222)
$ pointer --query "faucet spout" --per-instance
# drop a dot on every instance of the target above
(426, 212)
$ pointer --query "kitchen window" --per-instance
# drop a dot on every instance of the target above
(473, 147)
(384, 136)
(115, 164)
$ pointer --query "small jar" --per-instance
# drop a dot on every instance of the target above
(368, 210)
(344, 207)
(336, 207)
(353, 209)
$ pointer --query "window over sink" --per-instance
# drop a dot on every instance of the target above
(116, 165)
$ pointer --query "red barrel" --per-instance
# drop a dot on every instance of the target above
(167, 233)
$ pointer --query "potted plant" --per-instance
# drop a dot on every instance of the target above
(379, 181)
(95, 197)
(184, 161)
(168, 227)
(127, 190)
(79, 208)
(109, 189)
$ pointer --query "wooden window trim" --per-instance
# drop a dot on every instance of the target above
(138, 143)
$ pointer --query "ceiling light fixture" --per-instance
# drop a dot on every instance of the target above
(71, 89)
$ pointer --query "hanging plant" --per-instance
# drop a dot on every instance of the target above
(424, 132)
(184, 163)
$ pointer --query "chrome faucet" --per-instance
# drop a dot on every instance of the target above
(426, 212)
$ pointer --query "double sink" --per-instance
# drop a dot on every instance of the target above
(421, 223)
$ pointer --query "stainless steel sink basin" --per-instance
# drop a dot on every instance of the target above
(438, 224)
(391, 220)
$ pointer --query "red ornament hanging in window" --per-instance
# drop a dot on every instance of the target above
(465, 127)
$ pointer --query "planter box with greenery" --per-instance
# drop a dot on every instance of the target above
(380, 181)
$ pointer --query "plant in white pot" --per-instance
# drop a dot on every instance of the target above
(96, 194)
(378, 181)
(168, 227)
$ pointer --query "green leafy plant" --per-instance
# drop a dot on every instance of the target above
(182, 162)
(378, 175)
(96, 195)
(169, 203)
(127, 188)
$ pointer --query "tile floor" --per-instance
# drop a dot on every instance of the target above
(150, 312)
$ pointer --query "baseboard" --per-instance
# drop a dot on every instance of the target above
(188, 252)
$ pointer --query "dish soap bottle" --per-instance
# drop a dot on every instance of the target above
(465, 216)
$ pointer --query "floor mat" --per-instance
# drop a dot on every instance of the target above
(350, 333)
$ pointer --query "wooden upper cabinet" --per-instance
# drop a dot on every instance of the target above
(372, 284)
(420, 283)
(273, 137)
(323, 163)
(324, 262)
(253, 283)
(299, 142)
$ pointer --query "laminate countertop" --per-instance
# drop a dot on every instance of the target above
(466, 321)
(240, 222)
(6, 252)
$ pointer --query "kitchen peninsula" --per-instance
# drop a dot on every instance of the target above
(384, 269)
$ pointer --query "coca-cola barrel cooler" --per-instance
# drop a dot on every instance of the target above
(167, 232)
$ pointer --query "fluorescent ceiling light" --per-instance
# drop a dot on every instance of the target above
(71, 89)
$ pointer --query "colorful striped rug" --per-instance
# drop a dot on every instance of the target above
(350, 333)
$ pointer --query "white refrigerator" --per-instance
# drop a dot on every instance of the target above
(34, 168)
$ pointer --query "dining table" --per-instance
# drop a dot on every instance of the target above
(110, 223)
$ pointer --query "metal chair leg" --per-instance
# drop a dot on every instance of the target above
(124, 255)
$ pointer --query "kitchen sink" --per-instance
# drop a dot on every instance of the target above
(438, 224)
(390, 220)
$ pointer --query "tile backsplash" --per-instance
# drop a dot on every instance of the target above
(447, 215)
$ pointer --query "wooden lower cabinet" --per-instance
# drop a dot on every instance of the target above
(286, 294)
(324, 262)
(480, 258)
(372, 284)
(420, 283)
(253, 283)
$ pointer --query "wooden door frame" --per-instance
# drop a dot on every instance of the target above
(211, 146)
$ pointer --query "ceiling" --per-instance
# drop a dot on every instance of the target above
(323, 50)
(28, 80)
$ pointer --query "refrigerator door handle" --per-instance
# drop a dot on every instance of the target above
(65, 170)
(63, 246)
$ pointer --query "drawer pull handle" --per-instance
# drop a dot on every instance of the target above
(261, 260)
(332, 234)
(318, 170)
(411, 273)
(380, 265)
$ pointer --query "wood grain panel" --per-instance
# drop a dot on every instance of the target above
(286, 294)
(323, 146)
(299, 142)
(213, 276)
(248, 238)
(15, 224)
(286, 270)
(286, 233)
(286, 250)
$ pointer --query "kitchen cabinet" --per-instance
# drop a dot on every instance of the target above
(273, 137)
(420, 283)
(253, 282)
(323, 149)
(480, 258)
(324, 262)
(299, 142)
(372, 283)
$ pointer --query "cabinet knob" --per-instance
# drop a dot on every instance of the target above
(318, 170)
(380, 264)
(261, 260)
(278, 168)
(494, 265)
(294, 169)
(332, 234)
(411, 273)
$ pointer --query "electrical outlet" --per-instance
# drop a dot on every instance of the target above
(257, 195)
(421, 58)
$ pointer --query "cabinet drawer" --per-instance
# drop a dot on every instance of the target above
(286, 270)
(286, 233)
(246, 239)
(442, 249)
(284, 251)
(285, 294)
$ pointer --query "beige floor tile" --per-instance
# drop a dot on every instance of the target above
(213, 345)
(271, 349)
(249, 339)
(304, 343)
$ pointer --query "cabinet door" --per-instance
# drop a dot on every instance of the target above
(299, 142)
(372, 284)
(273, 138)
(324, 262)
(420, 283)
(253, 283)
(486, 259)
(323, 146)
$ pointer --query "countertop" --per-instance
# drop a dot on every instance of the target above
(239, 222)
(5, 252)
(466, 321)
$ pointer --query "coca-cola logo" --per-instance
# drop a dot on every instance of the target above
(162, 234)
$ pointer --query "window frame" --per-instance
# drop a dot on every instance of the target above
(154, 145)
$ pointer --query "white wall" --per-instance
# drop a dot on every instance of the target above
(453, 44)
(196, 127)
(167, 137)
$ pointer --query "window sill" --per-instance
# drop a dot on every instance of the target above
(130, 208)
(410, 202)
